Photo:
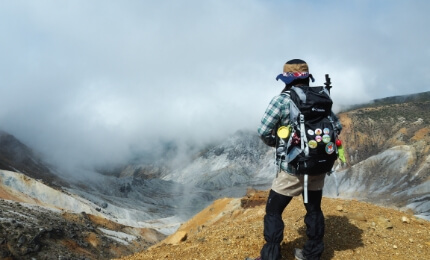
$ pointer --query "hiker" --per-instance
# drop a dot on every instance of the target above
(288, 182)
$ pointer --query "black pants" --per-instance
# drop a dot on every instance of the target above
(274, 226)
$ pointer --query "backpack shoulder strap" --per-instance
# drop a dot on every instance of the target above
(294, 110)
(300, 93)
(286, 93)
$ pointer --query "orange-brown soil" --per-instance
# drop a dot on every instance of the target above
(233, 229)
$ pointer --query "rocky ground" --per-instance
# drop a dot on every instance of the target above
(232, 229)
(32, 232)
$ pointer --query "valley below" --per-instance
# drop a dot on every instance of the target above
(127, 209)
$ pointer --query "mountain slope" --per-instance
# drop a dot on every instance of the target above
(386, 179)
(388, 151)
(17, 157)
(239, 161)
(37, 221)
(387, 145)
(370, 130)
(354, 230)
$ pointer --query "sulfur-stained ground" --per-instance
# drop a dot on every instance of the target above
(232, 229)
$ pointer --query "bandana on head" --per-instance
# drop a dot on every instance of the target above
(295, 69)
(288, 77)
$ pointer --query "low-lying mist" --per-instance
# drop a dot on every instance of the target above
(134, 76)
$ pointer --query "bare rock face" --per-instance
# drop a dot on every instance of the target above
(386, 123)
(32, 232)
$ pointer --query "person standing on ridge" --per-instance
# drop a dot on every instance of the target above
(288, 182)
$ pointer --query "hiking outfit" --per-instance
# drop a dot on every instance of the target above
(290, 180)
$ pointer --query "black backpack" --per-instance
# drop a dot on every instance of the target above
(311, 147)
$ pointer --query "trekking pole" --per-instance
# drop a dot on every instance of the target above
(336, 181)
(327, 83)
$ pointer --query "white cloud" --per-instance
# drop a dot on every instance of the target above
(88, 79)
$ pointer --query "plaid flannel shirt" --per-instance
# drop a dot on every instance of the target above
(277, 114)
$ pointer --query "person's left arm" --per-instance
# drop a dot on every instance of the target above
(270, 121)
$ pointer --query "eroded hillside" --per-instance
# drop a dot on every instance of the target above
(387, 146)
(371, 130)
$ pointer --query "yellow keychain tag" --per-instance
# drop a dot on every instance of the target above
(283, 132)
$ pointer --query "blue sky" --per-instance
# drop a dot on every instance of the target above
(88, 80)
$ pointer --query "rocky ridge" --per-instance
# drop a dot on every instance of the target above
(232, 228)
(57, 225)
(32, 232)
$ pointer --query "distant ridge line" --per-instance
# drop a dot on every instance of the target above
(417, 97)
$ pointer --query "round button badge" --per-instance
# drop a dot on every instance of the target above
(329, 148)
(313, 144)
(326, 138)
